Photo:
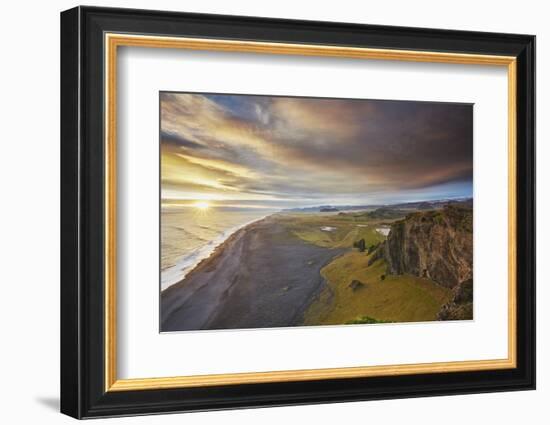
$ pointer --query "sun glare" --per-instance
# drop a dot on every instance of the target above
(201, 205)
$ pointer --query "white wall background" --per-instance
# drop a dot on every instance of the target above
(29, 224)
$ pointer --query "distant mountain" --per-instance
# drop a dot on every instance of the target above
(382, 213)
(320, 208)
(410, 206)
(430, 205)
(387, 213)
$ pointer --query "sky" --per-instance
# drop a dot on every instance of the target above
(285, 152)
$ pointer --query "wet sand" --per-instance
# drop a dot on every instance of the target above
(262, 276)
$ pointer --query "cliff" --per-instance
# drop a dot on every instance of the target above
(435, 244)
(461, 306)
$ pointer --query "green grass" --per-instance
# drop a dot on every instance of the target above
(345, 233)
(402, 298)
(364, 320)
(382, 298)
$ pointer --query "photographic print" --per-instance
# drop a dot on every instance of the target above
(309, 229)
(300, 211)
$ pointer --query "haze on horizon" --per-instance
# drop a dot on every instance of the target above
(286, 152)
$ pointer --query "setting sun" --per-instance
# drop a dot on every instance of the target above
(201, 205)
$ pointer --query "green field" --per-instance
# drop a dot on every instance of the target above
(382, 297)
(345, 230)
(356, 292)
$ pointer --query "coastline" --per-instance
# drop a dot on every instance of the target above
(176, 273)
(256, 275)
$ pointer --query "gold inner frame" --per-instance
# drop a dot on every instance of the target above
(113, 41)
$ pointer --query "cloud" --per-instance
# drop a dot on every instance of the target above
(307, 148)
(167, 138)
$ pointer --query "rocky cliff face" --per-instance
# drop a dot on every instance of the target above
(436, 244)
(461, 306)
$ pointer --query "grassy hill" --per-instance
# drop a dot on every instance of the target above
(378, 298)
(357, 292)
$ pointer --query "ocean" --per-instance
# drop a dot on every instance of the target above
(189, 235)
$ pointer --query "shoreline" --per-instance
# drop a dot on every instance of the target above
(204, 253)
(260, 276)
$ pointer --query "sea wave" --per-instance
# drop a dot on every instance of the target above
(188, 234)
(186, 263)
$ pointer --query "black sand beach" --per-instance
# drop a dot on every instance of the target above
(262, 276)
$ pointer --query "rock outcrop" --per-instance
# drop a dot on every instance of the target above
(461, 306)
(356, 284)
(436, 244)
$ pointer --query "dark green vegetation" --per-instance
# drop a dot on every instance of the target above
(387, 213)
(382, 213)
(360, 245)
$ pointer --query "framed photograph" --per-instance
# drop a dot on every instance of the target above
(261, 212)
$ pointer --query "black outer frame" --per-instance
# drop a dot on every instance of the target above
(82, 219)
